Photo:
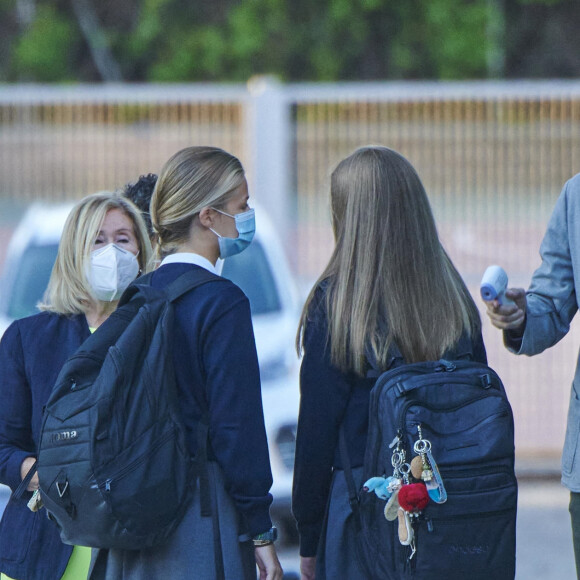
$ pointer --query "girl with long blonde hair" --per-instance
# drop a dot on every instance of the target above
(388, 291)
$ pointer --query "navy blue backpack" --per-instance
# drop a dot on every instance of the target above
(454, 418)
(113, 462)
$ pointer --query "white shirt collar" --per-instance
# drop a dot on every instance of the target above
(189, 258)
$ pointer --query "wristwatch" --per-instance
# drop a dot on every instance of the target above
(265, 538)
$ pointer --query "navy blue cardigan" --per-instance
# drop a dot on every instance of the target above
(32, 352)
(215, 357)
(328, 399)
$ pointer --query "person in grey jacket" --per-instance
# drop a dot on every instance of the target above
(541, 317)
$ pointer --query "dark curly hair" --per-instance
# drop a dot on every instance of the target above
(140, 194)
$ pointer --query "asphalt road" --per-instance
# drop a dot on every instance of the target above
(544, 541)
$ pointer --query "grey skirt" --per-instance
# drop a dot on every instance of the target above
(337, 557)
(191, 552)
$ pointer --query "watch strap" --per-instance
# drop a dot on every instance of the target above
(266, 538)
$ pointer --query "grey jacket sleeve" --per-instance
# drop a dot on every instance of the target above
(551, 298)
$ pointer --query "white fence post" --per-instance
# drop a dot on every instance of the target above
(269, 139)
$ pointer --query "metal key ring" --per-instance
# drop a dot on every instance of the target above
(397, 458)
(405, 468)
(422, 446)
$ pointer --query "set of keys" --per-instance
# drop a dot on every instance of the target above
(405, 500)
(424, 467)
(394, 509)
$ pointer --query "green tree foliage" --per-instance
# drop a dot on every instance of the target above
(7, 26)
(296, 40)
(41, 53)
(458, 37)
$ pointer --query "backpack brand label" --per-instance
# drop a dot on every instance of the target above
(64, 436)
(468, 550)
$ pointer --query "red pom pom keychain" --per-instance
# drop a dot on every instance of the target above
(413, 497)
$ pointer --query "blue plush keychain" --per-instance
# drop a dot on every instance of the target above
(382, 486)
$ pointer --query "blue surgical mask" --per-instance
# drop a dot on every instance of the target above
(246, 226)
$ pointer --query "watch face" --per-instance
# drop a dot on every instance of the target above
(270, 535)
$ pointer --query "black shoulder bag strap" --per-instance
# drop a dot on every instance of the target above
(353, 497)
(19, 491)
(354, 502)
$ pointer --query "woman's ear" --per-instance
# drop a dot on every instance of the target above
(206, 217)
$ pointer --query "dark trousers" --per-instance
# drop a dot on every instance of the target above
(575, 517)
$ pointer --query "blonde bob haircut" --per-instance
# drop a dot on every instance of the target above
(68, 290)
(193, 178)
(389, 280)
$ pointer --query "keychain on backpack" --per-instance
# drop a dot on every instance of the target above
(385, 487)
(413, 499)
(429, 471)
(382, 486)
(400, 477)
(405, 531)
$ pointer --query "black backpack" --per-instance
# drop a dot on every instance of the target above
(113, 463)
(459, 412)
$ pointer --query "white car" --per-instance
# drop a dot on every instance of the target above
(261, 271)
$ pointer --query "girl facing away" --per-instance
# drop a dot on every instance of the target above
(388, 283)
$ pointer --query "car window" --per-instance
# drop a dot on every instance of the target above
(31, 279)
(250, 270)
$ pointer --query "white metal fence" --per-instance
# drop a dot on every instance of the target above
(493, 158)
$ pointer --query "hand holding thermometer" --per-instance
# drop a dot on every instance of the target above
(494, 285)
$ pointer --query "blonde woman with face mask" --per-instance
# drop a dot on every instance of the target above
(200, 211)
(103, 247)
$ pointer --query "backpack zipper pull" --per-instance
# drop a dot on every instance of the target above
(108, 485)
(445, 366)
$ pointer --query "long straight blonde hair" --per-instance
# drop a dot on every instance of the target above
(389, 280)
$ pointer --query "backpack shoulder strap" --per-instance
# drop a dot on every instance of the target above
(184, 283)
(22, 487)
(188, 281)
